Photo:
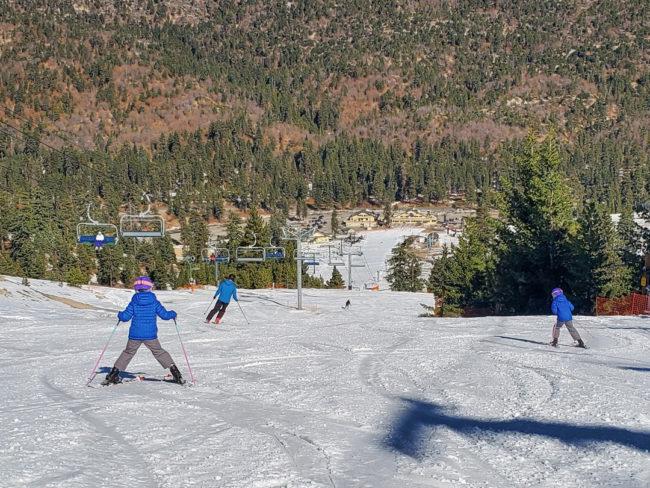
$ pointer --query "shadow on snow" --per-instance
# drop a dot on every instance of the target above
(523, 340)
(411, 425)
(634, 368)
(125, 375)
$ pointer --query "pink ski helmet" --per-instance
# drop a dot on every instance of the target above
(142, 283)
(556, 292)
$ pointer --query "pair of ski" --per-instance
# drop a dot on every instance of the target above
(166, 379)
(573, 345)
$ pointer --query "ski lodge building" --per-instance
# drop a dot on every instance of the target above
(363, 219)
(413, 217)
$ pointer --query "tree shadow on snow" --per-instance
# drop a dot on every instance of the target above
(418, 418)
(634, 368)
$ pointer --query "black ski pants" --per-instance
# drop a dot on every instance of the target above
(219, 309)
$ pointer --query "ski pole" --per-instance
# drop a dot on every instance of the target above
(209, 306)
(242, 312)
(184, 352)
(585, 330)
(92, 373)
(553, 333)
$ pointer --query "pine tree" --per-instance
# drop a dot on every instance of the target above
(597, 268)
(234, 232)
(537, 224)
(336, 280)
(404, 268)
(75, 277)
(130, 271)
(255, 231)
(446, 281)
(108, 265)
(335, 223)
(476, 259)
(388, 214)
(632, 248)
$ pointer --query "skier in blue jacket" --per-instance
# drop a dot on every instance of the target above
(142, 311)
(562, 307)
(226, 290)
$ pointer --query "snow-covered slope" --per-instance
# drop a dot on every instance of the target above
(373, 396)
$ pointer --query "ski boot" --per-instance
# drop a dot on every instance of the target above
(554, 343)
(217, 320)
(581, 344)
(112, 378)
(178, 378)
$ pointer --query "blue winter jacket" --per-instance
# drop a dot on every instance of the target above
(143, 309)
(226, 290)
(562, 307)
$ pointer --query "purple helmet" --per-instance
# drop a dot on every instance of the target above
(142, 283)
(556, 292)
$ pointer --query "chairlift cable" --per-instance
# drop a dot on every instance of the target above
(23, 135)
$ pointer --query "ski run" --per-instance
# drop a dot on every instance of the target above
(369, 396)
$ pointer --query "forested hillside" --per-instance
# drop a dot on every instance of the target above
(277, 105)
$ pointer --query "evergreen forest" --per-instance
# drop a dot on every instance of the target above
(212, 110)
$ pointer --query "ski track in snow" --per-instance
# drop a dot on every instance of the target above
(316, 399)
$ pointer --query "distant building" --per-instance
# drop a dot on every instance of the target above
(178, 252)
(363, 219)
(454, 223)
(431, 239)
(320, 238)
(412, 217)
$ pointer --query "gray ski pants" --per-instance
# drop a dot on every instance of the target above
(132, 347)
(569, 326)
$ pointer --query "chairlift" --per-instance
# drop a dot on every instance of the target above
(215, 255)
(207, 254)
(251, 254)
(143, 224)
(308, 259)
(96, 233)
(334, 259)
(274, 252)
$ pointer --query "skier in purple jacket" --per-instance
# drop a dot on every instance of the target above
(562, 307)
(142, 311)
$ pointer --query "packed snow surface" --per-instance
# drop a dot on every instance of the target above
(373, 396)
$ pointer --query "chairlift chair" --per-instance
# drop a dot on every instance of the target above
(215, 255)
(334, 259)
(97, 233)
(207, 254)
(274, 252)
(143, 224)
(251, 254)
(221, 255)
(307, 258)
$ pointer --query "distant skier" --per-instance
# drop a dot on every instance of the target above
(143, 309)
(226, 290)
(562, 307)
(99, 240)
(347, 305)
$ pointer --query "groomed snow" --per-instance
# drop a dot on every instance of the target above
(374, 396)
(369, 268)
